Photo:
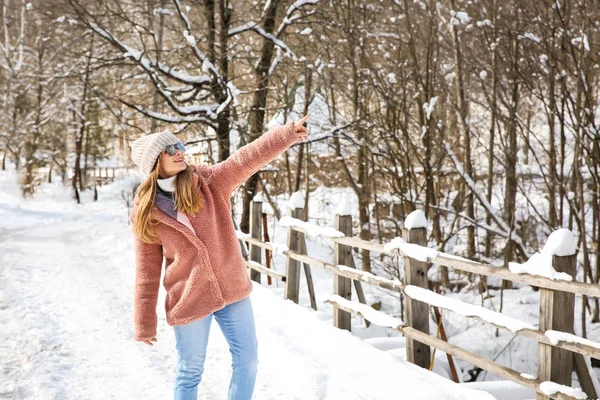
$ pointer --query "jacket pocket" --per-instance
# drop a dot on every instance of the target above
(194, 295)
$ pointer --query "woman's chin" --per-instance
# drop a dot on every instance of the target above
(181, 167)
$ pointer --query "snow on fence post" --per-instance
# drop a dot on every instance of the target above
(342, 286)
(415, 273)
(292, 282)
(255, 232)
(557, 311)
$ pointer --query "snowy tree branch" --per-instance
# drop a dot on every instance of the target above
(467, 179)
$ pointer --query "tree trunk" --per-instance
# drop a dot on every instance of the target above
(33, 134)
(463, 110)
(159, 48)
(596, 225)
(259, 103)
(82, 124)
(552, 179)
(86, 139)
(511, 158)
(50, 172)
(307, 95)
(493, 106)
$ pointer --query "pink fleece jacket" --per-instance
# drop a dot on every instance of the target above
(204, 271)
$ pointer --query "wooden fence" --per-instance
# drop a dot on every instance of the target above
(99, 175)
(558, 352)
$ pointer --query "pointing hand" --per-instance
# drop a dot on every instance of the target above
(301, 130)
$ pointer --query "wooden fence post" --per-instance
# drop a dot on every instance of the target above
(342, 286)
(557, 312)
(292, 267)
(417, 312)
(267, 251)
(255, 232)
(308, 274)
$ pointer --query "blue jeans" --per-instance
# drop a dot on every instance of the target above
(236, 321)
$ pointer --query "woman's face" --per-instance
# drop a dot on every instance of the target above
(172, 164)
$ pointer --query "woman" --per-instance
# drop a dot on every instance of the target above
(183, 213)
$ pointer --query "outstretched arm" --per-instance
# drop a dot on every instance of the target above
(229, 174)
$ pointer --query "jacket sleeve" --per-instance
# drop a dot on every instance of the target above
(229, 174)
(148, 267)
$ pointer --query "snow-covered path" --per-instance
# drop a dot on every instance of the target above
(66, 286)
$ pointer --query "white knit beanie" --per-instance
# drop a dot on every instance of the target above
(145, 150)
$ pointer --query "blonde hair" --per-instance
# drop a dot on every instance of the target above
(186, 200)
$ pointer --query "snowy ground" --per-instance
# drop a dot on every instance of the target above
(66, 286)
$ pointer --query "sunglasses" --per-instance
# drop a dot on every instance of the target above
(172, 148)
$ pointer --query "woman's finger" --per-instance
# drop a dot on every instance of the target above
(303, 119)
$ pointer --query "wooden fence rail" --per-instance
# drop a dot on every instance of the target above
(99, 175)
(559, 351)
